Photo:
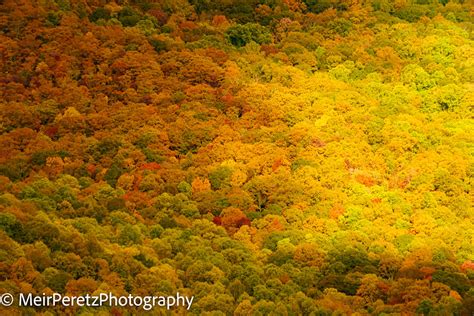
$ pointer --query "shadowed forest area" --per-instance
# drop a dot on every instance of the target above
(268, 157)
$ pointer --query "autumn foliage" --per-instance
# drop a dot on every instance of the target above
(287, 157)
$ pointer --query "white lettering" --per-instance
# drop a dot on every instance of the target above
(108, 299)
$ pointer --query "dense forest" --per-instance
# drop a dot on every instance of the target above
(268, 157)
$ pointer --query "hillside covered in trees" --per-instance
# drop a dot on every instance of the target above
(268, 157)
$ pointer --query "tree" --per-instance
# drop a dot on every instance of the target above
(240, 35)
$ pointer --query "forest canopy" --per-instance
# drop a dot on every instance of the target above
(268, 157)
